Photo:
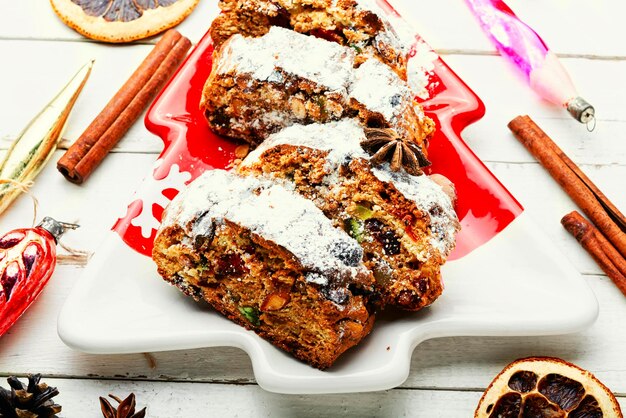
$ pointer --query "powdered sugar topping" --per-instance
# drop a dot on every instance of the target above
(397, 34)
(343, 141)
(342, 138)
(420, 68)
(272, 211)
(429, 198)
(380, 90)
(281, 50)
(401, 36)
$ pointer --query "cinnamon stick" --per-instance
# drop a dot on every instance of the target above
(612, 263)
(548, 154)
(609, 207)
(106, 130)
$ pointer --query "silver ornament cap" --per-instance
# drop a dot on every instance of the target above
(581, 110)
(56, 228)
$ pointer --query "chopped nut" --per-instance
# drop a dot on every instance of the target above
(242, 150)
(334, 109)
(351, 329)
(275, 301)
(297, 108)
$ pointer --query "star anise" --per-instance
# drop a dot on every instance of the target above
(385, 145)
(125, 409)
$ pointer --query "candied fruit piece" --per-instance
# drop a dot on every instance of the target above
(382, 234)
(354, 227)
(363, 212)
(251, 314)
(231, 265)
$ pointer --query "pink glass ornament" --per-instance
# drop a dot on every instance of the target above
(525, 48)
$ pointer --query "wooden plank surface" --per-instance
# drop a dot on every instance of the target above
(505, 96)
(447, 363)
(447, 375)
(573, 27)
(165, 400)
(33, 345)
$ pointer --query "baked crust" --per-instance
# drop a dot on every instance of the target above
(405, 241)
(359, 24)
(313, 311)
(259, 86)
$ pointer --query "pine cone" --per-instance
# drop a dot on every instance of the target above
(125, 409)
(28, 401)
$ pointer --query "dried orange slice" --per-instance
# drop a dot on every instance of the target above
(546, 387)
(122, 20)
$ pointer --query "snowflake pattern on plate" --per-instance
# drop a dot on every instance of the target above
(152, 197)
(175, 179)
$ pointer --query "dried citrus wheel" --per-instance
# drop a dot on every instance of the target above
(545, 387)
(122, 20)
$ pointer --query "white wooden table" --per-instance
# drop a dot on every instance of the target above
(38, 54)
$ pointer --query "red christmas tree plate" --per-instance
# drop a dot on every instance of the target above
(504, 278)
(484, 206)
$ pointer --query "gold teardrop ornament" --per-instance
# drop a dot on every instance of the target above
(32, 149)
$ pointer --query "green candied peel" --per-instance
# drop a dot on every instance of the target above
(202, 267)
(251, 314)
(356, 48)
(363, 213)
(355, 228)
(321, 102)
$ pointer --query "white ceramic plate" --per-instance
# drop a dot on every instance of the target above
(517, 284)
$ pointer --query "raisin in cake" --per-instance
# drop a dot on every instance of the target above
(260, 85)
(405, 224)
(269, 260)
(359, 24)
